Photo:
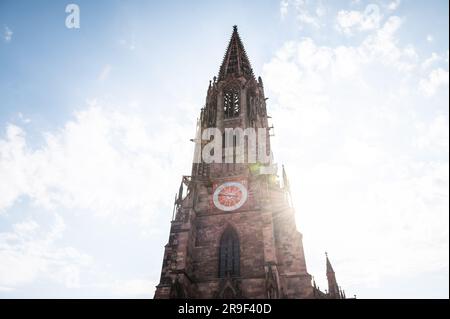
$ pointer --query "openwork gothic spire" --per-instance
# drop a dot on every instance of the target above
(329, 267)
(235, 61)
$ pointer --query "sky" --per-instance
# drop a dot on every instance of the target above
(95, 124)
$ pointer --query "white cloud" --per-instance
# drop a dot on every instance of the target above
(13, 180)
(368, 168)
(393, 5)
(350, 22)
(433, 59)
(24, 119)
(307, 12)
(434, 135)
(383, 45)
(30, 252)
(7, 34)
(105, 162)
(436, 79)
(284, 7)
(346, 20)
(430, 38)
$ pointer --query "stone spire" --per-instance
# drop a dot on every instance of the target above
(333, 288)
(329, 267)
(235, 61)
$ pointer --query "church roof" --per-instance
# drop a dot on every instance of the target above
(235, 60)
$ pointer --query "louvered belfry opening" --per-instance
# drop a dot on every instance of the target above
(231, 103)
(229, 254)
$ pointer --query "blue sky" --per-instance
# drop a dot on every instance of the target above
(95, 125)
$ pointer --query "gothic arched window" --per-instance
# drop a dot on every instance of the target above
(231, 103)
(229, 254)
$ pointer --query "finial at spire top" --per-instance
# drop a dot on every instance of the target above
(235, 28)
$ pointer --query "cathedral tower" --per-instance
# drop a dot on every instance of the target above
(233, 232)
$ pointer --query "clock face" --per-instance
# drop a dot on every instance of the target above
(230, 196)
